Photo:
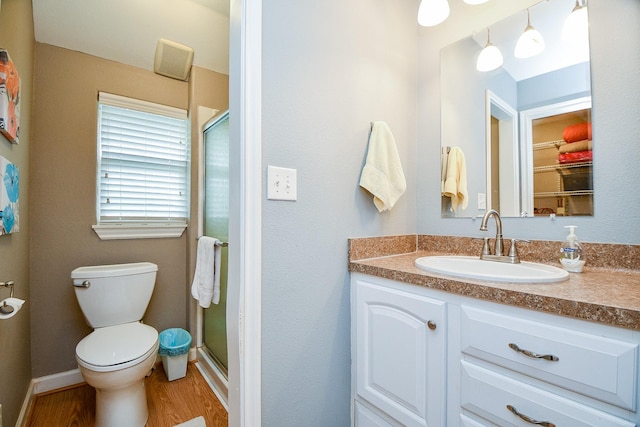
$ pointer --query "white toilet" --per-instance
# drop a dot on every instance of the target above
(120, 352)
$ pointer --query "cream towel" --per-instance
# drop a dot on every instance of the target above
(455, 185)
(206, 279)
(382, 174)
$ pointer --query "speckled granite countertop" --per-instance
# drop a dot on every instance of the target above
(599, 294)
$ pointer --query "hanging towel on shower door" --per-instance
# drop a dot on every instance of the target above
(455, 185)
(382, 174)
(206, 279)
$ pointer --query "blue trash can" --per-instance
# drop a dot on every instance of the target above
(174, 351)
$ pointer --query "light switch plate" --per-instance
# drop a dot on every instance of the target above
(482, 201)
(282, 183)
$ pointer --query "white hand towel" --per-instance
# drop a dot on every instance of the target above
(455, 186)
(206, 279)
(382, 173)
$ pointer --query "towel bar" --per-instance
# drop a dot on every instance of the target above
(218, 243)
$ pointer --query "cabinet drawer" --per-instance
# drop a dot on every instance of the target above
(489, 395)
(593, 365)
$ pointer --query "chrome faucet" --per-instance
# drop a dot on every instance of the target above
(498, 248)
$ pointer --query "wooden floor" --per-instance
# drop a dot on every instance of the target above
(170, 403)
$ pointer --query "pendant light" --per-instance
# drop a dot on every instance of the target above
(576, 27)
(530, 42)
(490, 58)
(432, 12)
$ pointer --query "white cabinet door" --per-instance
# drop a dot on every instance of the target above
(400, 353)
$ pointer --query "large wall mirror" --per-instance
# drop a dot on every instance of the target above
(524, 128)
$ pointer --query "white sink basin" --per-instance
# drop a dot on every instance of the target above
(475, 268)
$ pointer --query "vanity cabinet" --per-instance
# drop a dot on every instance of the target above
(398, 356)
(490, 364)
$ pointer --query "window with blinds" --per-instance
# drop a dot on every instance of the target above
(143, 161)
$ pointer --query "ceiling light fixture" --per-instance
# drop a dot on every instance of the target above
(475, 1)
(432, 12)
(576, 27)
(490, 58)
(530, 42)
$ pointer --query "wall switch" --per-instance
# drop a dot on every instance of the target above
(482, 201)
(281, 183)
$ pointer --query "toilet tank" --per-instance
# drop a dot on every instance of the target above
(114, 294)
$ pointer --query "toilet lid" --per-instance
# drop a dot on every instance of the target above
(115, 345)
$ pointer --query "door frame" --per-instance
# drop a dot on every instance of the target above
(245, 222)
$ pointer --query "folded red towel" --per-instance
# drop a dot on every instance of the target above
(577, 132)
(578, 156)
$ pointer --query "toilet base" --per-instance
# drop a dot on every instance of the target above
(122, 407)
(121, 399)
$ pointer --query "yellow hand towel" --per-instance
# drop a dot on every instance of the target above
(455, 186)
(382, 174)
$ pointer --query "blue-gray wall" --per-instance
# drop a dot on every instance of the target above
(330, 69)
(557, 86)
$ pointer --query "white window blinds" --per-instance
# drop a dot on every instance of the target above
(143, 163)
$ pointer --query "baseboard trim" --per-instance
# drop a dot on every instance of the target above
(212, 375)
(43, 385)
(26, 405)
(56, 381)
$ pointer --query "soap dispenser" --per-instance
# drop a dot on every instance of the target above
(571, 254)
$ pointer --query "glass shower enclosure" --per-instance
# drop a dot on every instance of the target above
(216, 224)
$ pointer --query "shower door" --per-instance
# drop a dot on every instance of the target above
(216, 224)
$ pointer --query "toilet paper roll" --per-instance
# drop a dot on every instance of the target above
(14, 303)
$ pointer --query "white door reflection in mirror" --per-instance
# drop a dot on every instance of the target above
(503, 164)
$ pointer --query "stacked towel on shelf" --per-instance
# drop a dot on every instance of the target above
(584, 145)
(578, 147)
(206, 278)
(455, 184)
(577, 132)
(578, 156)
(382, 174)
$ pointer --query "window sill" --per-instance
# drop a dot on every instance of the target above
(138, 231)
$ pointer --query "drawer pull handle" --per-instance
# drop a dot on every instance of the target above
(432, 325)
(529, 420)
(549, 357)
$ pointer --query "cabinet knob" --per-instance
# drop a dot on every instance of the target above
(432, 325)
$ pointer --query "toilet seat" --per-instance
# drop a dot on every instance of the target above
(117, 347)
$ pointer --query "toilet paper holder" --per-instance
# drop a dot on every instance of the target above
(9, 306)
(8, 284)
(4, 308)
